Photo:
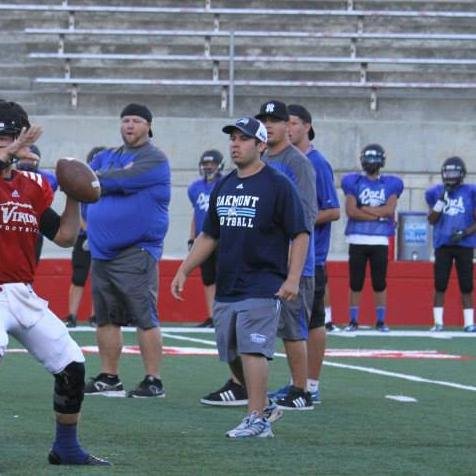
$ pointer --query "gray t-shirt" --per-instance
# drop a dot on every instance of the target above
(298, 168)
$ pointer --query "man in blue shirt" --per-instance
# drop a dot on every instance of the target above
(126, 231)
(254, 212)
(370, 203)
(301, 133)
(210, 167)
(453, 216)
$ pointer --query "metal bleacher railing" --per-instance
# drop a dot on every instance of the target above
(233, 61)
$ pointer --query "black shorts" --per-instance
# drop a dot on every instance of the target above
(318, 314)
(463, 259)
(125, 289)
(209, 269)
(81, 262)
(377, 256)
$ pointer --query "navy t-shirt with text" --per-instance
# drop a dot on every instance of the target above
(253, 219)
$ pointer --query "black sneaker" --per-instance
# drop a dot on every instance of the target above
(91, 460)
(296, 399)
(230, 395)
(206, 323)
(382, 327)
(352, 326)
(92, 321)
(105, 385)
(331, 327)
(149, 387)
(71, 320)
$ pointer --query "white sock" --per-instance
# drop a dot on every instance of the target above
(468, 317)
(438, 316)
(328, 311)
(312, 385)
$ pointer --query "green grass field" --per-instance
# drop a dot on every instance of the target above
(355, 431)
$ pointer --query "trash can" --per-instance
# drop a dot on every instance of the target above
(414, 237)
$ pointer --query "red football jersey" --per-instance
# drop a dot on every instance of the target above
(23, 199)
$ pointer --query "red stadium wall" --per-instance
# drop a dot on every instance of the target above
(409, 284)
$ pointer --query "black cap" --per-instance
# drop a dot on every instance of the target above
(303, 114)
(275, 109)
(138, 110)
(249, 126)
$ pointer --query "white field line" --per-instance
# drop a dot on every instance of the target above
(359, 368)
(364, 333)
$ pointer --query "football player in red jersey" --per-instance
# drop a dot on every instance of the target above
(25, 200)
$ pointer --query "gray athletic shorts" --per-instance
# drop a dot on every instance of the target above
(296, 314)
(246, 327)
(125, 289)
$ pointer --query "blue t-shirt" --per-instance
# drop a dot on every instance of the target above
(135, 196)
(326, 199)
(199, 196)
(294, 164)
(253, 218)
(371, 193)
(458, 214)
(51, 177)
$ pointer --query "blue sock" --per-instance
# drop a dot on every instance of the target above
(66, 444)
(354, 314)
(380, 312)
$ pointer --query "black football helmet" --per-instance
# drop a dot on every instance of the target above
(372, 158)
(453, 172)
(12, 118)
(212, 156)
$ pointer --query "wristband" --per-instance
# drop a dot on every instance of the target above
(439, 205)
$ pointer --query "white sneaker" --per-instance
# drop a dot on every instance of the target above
(272, 412)
(252, 425)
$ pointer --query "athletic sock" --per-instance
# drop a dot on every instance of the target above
(66, 444)
(328, 313)
(312, 385)
(380, 312)
(354, 314)
(468, 317)
(438, 316)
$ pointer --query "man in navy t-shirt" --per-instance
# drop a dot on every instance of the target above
(453, 216)
(254, 213)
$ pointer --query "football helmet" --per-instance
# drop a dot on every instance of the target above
(453, 172)
(372, 158)
(210, 164)
(12, 118)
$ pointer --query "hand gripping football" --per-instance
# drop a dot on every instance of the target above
(77, 180)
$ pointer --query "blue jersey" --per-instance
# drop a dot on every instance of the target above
(51, 177)
(326, 199)
(371, 193)
(294, 164)
(458, 214)
(253, 218)
(199, 196)
(135, 196)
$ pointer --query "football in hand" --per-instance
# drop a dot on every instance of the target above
(77, 180)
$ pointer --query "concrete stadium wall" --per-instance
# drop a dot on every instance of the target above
(417, 134)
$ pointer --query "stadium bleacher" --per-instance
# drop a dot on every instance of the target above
(398, 72)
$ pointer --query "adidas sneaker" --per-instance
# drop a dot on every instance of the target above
(296, 399)
(231, 394)
(252, 425)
